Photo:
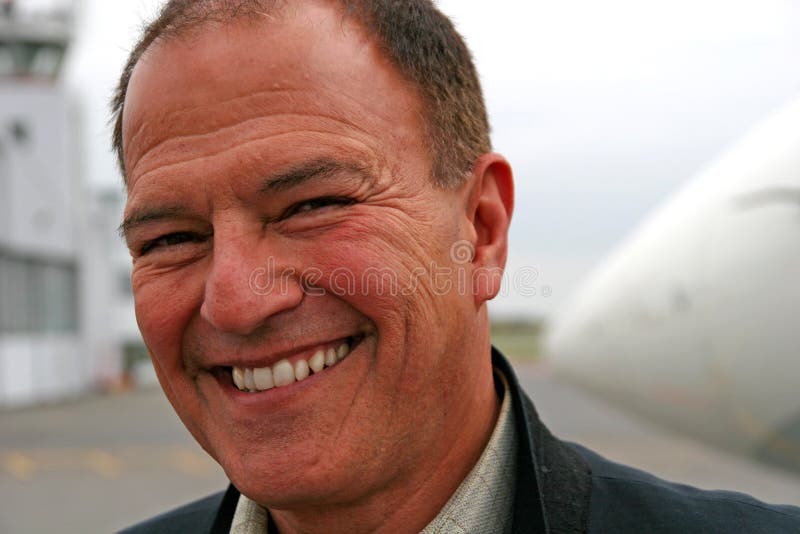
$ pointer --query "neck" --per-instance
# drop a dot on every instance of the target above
(408, 505)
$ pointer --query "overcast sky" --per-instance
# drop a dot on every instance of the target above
(603, 108)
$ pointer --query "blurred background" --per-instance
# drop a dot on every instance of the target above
(651, 298)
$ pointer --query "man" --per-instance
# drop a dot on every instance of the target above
(317, 222)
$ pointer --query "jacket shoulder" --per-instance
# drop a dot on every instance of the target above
(624, 499)
(197, 516)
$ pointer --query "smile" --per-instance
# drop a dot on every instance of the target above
(288, 371)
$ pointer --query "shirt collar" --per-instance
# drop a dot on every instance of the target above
(484, 502)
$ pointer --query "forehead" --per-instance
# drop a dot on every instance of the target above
(305, 64)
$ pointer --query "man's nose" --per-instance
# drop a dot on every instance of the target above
(244, 288)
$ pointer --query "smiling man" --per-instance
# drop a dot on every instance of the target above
(317, 222)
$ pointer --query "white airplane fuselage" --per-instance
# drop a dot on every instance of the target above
(695, 319)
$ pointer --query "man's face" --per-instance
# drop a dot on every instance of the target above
(272, 166)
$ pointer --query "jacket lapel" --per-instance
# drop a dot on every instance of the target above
(553, 481)
(222, 519)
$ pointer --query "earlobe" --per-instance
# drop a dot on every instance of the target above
(491, 204)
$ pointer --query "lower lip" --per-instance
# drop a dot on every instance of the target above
(278, 395)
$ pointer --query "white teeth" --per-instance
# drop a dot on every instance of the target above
(301, 370)
(284, 373)
(317, 361)
(263, 378)
(249, 383)
(330, 357)
(238, 377)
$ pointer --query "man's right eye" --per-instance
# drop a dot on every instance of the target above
(315, 204)
(170, 240)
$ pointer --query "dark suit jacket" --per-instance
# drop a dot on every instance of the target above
(562, 488)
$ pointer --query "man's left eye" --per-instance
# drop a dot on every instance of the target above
(316, 204)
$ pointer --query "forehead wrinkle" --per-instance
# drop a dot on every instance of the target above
(183, 142)
(207, 155)
(228, 114)
(176, 115)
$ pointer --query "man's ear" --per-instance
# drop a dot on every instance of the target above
(490, 205)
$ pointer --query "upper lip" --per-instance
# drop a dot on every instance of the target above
(257, 359)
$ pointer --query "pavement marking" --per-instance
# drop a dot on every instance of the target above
(104, 464)
(192, 463)
(19, 466)
(27, 464)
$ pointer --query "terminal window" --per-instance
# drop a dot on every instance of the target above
(37, 295)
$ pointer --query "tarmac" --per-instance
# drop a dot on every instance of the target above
(100, 463)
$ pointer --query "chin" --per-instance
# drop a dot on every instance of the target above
(278, 489)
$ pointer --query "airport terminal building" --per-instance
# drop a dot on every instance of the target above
(41, 344)
(66, 319)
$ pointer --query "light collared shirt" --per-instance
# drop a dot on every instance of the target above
(482, 504)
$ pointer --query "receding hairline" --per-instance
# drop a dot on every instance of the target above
(138, 142)
(217, 14)
(419, 41)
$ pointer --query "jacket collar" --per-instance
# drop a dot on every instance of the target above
(553, 480)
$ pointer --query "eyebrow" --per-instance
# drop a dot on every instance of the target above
(149, 215)
(286, 179)
(305, 172)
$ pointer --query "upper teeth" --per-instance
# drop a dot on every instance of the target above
(285, 373)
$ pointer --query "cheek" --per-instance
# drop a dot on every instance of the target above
(389, 275)
(368, 265)
(389, 243)
(164, 305)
